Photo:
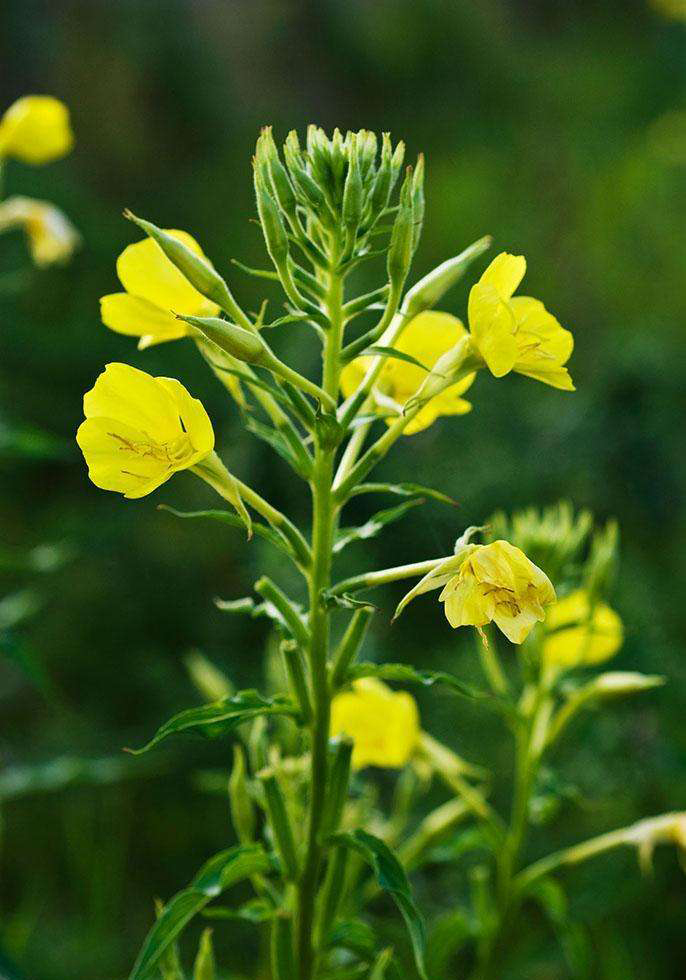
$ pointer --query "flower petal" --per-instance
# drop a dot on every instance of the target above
(505, 273)
(145, 271)
(137, 317)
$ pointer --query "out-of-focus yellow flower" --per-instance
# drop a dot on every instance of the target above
(427, 337)
(383, 724)
(516, 333)
(155, 291)
(498, 583)
(51, 236)
(669, 828)
(676, 9)
(140, 430)
(578, 635)
(36, 129)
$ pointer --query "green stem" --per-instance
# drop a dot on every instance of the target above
(277, 519)
(323, 526)
(368, 580)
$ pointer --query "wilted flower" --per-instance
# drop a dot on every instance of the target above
(579, 634)
(426, 338)
(140, 430)
(516, 333)
(383, 724)
(36, 129)
(51, 236)
(155, 292)
(498, 583)
(669, 828)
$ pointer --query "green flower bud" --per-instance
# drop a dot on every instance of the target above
(352, 192)
(204, 968)
(381, 191)
(366, 147)
(198, 272)
(277, 173)
(397, 163)
(401, 248)
(418, 200)
(280, 823)
(240, 801)
(240, 343)
(273, 229)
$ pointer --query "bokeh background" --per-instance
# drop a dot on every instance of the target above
(560, 128)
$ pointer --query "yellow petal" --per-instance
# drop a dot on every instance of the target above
(492, 327)
(515, 627)
(135, 398)
(145, 271)
(194, 418)
(36, 129)
(102, 442)
(544, 346)
(505, 274)
(383, 724)
(577, 636)
(137, 317)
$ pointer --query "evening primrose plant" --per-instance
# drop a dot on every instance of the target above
(312, 842)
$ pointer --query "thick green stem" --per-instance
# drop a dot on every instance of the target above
(323, 527)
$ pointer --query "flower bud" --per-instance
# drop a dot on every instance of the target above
(366, 146)
(401, 247)
(418, 200)
(273, 229)
(279, 823)
(340, 755)
(198, 272)
(397, 163)
(240, 343)
(240, 800)
(352, 192)
(429, 290)
(277, 173)
(203, 967)
(381, 191)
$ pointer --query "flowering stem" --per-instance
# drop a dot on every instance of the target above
(368, 580)
(323, 527)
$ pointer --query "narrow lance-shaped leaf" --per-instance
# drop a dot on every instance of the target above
(220, 717)
(374, 525)
(226, 517)
(403, 490)
(406, 674)
(219, 873)
(391, 877)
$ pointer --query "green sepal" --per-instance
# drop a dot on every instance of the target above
(394, 354)
(220, 717)
(390, 876)
(216, 875)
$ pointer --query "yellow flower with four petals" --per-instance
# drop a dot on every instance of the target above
(140, 430)
(36, 129)
(517, 333)
(155, 292)
(578, 634)
(383, 724)
(427, 337)
(497, 583)
(51, 236)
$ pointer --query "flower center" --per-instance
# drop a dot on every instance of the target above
(169, 453)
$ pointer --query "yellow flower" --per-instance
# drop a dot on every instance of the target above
(36, 129)
(498, 583)
(140, 430)
(577, 635)
(516, 333)
(155, 291)
(51, 236)
(383, 724)
(427, 337)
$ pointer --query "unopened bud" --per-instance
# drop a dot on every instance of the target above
(352, 192)
(381, 190)
(279, 823)
(240, 343)
(275, 236)
(402, 237)
(426, 293)
(277, 173)
(197, 271)
(418, 201)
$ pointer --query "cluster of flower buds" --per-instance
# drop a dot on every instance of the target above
(334, 183)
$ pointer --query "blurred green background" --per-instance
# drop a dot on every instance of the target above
(558, 128)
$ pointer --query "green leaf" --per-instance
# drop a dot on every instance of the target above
(398, 355)
(406, 674)
(344, 601)
(403, 490)
(573, 939)
(204, 967)
(278, 442)
(220, 717)
(216, 875)
(257, 910)
(391, 877)
(228, 517)
(249, 379)
(353, 934)
(374, 525)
